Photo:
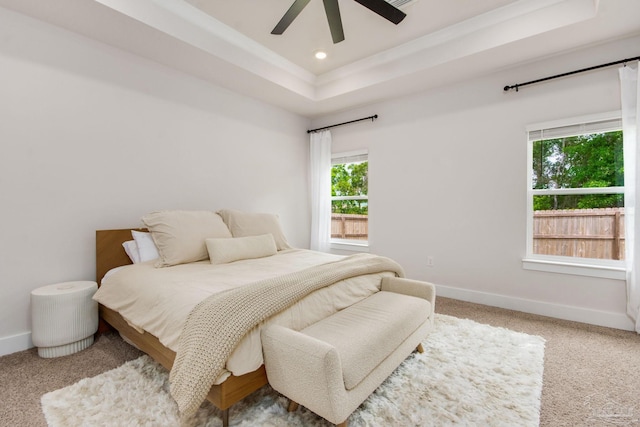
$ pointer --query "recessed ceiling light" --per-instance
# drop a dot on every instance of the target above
(320, 54)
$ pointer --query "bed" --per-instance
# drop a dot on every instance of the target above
(234, 386)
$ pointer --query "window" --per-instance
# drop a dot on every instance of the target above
(349, 198)
(576, 196)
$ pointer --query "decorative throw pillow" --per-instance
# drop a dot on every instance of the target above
(147, 250)
(180, 235)
(222, 251)
(131, 249)
(243, 224)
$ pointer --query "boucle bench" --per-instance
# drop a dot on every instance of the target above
(332, 366)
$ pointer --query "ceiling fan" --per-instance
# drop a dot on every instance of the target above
(381, 7)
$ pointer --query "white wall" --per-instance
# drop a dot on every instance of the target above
(448, 178)
(92, 137)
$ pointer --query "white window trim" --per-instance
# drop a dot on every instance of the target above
(346, 154)
(363, 197)
(346, 244)
(567, 265)
(349, 245)
(610, 269)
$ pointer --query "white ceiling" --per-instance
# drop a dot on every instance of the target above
(439, 42)
(365, 32)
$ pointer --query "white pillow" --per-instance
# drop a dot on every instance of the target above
(179, 235)
(243, 224)
(147, 249)
(222, 251)
(131, 248)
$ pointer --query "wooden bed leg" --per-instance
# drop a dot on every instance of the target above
(420, 348)
(343, 424)
(293, 406)
(225, 417)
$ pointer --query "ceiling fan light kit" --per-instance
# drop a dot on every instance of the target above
(382, 7)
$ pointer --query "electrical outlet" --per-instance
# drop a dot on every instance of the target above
(429, 261)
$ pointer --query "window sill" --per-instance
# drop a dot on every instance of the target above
(350, 245)
(575, 268)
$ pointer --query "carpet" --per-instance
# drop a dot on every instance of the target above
(470, 374)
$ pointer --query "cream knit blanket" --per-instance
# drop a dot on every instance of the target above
(216, 325)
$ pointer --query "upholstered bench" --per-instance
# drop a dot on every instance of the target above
(332, 366)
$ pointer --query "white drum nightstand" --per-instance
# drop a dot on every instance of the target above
(64, 318)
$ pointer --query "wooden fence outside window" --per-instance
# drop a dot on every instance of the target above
(584, 233)
(349, 226)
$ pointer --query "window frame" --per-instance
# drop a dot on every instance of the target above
(349, 244)
(592, 267)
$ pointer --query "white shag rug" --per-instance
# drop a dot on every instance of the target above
(470, 374)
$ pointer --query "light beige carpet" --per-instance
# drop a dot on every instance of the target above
(470, 374)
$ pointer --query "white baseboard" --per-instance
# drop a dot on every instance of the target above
(566, 312)
(15, 343)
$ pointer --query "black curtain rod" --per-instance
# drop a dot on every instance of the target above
(519, 85)
(372, 118)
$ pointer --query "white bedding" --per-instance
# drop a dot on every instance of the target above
(158, 300)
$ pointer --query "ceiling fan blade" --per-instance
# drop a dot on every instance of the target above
(289, 16)
(384, 9)
(335, 21)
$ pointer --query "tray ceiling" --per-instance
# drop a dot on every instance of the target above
(439, 42)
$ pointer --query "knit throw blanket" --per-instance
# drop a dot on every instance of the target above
(216, 325)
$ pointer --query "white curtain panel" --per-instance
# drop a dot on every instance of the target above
(320, 154)
(631, 145)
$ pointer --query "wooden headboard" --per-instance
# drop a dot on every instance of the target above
(109, 250)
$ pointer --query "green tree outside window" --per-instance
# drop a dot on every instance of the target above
(585, 161)
(350, 179)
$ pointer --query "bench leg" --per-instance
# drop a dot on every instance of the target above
(342, 424)
(293, 406)
(420, 348)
